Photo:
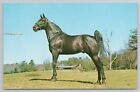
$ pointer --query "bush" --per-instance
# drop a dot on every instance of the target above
(25, 67)
(88, 66)
(32, 66)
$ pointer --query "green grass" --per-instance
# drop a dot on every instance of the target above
(71, 79)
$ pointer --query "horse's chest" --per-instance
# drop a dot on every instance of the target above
(55, 45)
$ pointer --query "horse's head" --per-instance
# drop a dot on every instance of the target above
(41, 23)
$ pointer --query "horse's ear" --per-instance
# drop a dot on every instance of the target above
(41, 17)
(44, 16)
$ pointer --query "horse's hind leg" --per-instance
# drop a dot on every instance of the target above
(103, 78)
(99, 65)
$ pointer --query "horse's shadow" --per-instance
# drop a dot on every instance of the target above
(79, 81)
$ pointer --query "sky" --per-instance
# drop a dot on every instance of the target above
(73, 19)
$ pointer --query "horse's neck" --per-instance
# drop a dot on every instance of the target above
(52, 30)
(49, 34)
(54, 27)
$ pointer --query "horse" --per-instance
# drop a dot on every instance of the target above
(62, 43)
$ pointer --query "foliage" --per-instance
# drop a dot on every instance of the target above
(16, 70)
(32, 66)
(133, 40)
(88, 65)
(27, 67)
(130, 54)
(125, 59)
(130, 57)
(23, 66)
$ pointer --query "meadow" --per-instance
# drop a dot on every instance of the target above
(71, 79)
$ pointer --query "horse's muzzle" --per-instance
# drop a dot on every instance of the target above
(35, 29)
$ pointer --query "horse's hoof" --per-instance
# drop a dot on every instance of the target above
(103, 82)
(98, 82)
(54, 79)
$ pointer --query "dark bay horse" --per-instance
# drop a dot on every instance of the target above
(62, 43)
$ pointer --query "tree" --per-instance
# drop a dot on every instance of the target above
(16, 69)
(129, 55)
(23, 66)
(111, 58)
(32, 66)
(113, 62)
(133, 40)
(73, 61)
(129, 59)
(132, 49)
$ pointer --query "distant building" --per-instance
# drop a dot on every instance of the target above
(61, 67)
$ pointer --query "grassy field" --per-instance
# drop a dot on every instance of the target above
(71, 79)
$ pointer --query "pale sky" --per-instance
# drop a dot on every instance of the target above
(73, 19)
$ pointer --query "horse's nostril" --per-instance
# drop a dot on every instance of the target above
(34, 28)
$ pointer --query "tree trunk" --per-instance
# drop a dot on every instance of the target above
(110, 63)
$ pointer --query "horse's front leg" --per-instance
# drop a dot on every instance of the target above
(55, 57)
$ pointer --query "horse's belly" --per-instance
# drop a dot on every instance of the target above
(70, 52)
(72, 47)
(69, 45)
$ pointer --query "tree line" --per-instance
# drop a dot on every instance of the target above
(128, 56)
(22, 67)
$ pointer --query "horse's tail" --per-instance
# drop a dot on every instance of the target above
(99, 39)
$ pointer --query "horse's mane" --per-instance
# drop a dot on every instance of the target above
(55, 28)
